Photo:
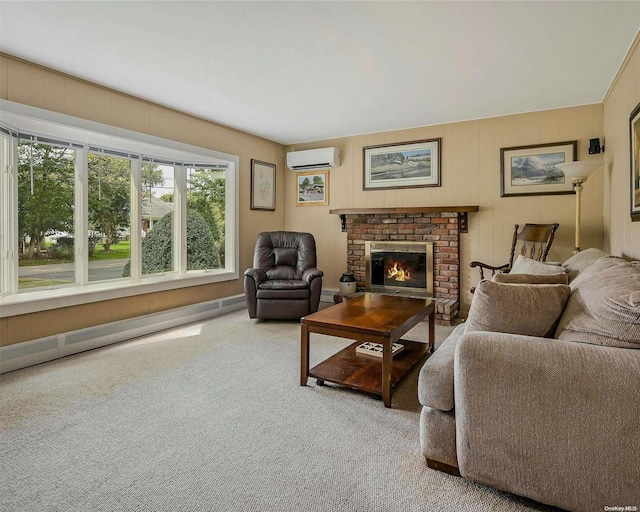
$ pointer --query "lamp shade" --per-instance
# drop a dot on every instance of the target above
(578, 169)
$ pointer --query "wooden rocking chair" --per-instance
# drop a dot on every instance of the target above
(536, 241)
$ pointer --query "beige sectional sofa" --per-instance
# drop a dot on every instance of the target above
(538, 392)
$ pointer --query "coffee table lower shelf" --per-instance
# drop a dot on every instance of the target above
(364, 372)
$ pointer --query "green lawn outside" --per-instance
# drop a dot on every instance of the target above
(121, 250)
(117, 251)
(41, 261)
(28, 282)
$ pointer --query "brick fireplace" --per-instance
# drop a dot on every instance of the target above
(441, 225)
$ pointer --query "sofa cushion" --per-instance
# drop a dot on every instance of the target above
(532, 310)
(604, 307)
(561, 278)
(525, 265)
(578, 262)
(435, 383)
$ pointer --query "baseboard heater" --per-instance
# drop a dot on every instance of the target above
(28, 353)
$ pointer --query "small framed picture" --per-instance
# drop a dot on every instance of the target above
(531, 171)
(402, 165)
(263, 185)
(634, 131)
(313, 188)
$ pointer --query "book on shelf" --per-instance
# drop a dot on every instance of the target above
(376, 349)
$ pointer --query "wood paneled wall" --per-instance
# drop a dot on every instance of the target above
(470, 176)
(622, 237)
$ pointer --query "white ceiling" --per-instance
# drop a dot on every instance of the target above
(303, 71)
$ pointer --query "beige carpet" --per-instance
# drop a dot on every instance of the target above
(211, 417)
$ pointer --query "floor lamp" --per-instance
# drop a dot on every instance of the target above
(579, 172)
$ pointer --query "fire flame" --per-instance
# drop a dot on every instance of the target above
(398, 274)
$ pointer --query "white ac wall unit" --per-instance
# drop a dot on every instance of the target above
(313, 159)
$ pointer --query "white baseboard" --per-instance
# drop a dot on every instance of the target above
(28, 353)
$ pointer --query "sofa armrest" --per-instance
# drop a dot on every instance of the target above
(310, 274)
(558, 422)
(258, 275)
(313, 277)
(252, 279)
(436, 380)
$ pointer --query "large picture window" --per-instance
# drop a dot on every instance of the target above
(94, 210)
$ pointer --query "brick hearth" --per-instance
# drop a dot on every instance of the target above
(440, 227)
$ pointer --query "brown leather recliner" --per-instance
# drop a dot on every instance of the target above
(284, 282)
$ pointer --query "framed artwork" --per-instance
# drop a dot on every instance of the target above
(402, 165)
(263, 185)
(531, 171)
(634, 131)
(313, 188)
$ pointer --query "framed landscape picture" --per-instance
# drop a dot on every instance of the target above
(531, 171)
(402, 165)
(313, 188)
(263, 185)
(634, 130)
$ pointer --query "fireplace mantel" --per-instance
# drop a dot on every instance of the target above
(462, 212)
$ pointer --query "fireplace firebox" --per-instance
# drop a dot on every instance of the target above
(399, 268)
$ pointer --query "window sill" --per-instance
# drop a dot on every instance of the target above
(44, 300)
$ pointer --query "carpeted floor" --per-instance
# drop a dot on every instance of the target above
(211, 417)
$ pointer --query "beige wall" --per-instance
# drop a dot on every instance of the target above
(622, 237)
(36, 86)
(470, 176)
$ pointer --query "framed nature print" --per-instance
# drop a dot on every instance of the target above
(263, 185)
(402, 165)
(313, 188)
(531, 171)
(634, 130)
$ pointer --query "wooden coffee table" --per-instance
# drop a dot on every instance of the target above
(373, 317)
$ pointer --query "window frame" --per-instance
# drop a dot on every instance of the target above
(19, 118)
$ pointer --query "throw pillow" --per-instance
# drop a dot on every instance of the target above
(524, 265)
(578, 262)
(531, 278)
(526, 309)
(604, 308)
